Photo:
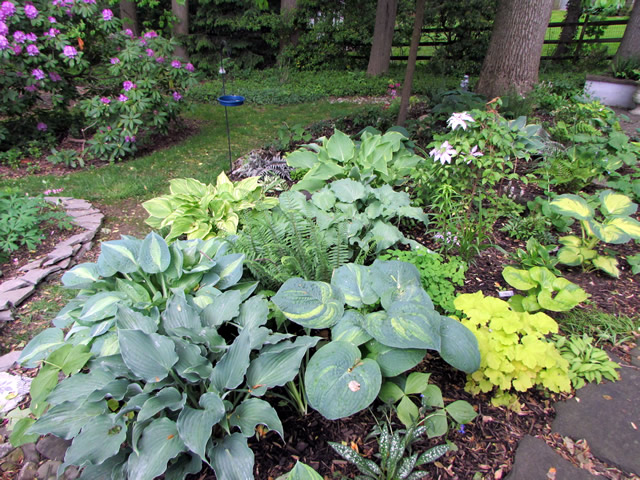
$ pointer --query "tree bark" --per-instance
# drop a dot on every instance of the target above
(129, 16)
(180, 8)
(574, 12)
(411, 63)
(513, 58)
(382, 37)
(630, 45)
(287, 11)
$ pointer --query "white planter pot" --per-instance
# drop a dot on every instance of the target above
(614, 92)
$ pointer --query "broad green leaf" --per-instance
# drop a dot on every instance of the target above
(135, 291)
(610, 231)
(18, 436)
(196, 426)
(253, 412)
(231, 458)
(180, 314)
(150, 356)
(66, 420)
(254, 312)
(229, 268)
(303, 472)
(614, 203)
(188, 186)
(628, 225)
(459, 347)
(130, 320)
(543, 276)
(340, 147)
(160, 207)
(119, 255)
(408, 412)
(348, 329)
(390, 392)
(383, 234)
(405, 325)
(354, 282)
(41, 346)
(230, 370)
(437, 424)
(337, 371)
(324, 199)
(191, 364)
(310, 304)
(41, 387)
(394, 361)
(223, 308)
(99, 440)
(160, 443)
(518, 278)
(607, 264)
(70, 358)
(461, 411)
(154, 256)
(109, 469)
(78, 387)
(393, 275)
(416, 382)
(81, 276)
(184, 465)
(169, 398)
(301, 159)
(101, 306)
(570, 256)
(277, 364)
(572, 206)
(564, 300)
(347, 190)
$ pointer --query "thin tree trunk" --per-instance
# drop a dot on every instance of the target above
(129, 16)
(574, 12)
(411, 63)
(287, 11)
(180, 8)
(513, 58)
(630, 45)
(382, 37)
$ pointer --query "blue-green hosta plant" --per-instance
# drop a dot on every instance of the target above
(382, 324)
(544, 290)
(205, 211)
(176, 360)
(614, 225)
(376, 159)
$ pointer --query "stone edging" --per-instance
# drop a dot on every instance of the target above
(14, 292)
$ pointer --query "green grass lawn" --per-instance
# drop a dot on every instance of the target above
(202, 156)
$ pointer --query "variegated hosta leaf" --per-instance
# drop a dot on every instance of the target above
(81, 276)
(154, 256)
(614, 203)
(160, 443)
(229, 269)
(570, 256)
(629, 226)
(393, 274)
(349, 330)
(607, 264)
(119, 256)
(101, 305)
(572, 206)
(354, 282)
(610, 231)
(41, 346)
(131, 320)
(518, 278)
(339, 382)
(310, 304)
(405, 325)
(231, 458)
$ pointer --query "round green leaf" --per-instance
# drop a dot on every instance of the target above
(340, 147)
(339, 383)
(461, 411)
(572, 206)
(347, 190)
(310, 304)
(81, 276)
(518, 278)
(349, 330)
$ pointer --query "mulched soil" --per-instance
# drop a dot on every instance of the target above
(486, 447)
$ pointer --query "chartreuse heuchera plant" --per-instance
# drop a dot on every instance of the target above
(176, 360)
(382, 324)
(515, 353)
(544, 290)
(376, 159)
(615, 226)
(205, 211)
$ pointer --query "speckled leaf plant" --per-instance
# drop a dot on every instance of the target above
(382, 324)
(176, 358)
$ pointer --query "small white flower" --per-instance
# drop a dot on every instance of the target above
(474, 153)
(459, 120)
(444, 153)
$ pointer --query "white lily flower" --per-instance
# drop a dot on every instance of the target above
(459, 120)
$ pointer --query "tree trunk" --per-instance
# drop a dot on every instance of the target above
(630, 45)
(180, 8)
(382, 37)
(287, 11)
(574, 12)
(129, 16)
(411, 63)
(513, 58)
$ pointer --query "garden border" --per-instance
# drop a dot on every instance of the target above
(15, 291)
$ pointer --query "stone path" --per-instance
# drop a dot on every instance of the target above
(14, 292)
(607, 416)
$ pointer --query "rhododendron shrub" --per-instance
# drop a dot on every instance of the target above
(64, 56)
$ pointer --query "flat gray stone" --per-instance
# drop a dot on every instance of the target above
(607, 416)
(33, 265)
(78, 239)
(49, 470)
(34, 277)
(29, 471)
(4, 304)
(30, 453)
(84, 249)
(52, 447)
(88, 221)
(6, 316)
(60, 253)
(64, 263)
(71, 473)
(16, 297)
(76, 204)
(7, 361)
(13, 389)
(82, 213)
(534, 459)
(14, 284)
(5, 448)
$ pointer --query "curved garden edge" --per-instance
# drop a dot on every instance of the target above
(15, 291)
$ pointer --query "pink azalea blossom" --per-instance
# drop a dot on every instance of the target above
(150, 34)
(31, 88)
(17, 49)
(123, 97)
(128, 85)
(52, 20)
(19, 36)
(150, 52)
(4, 43)
(160, 59)
(115, 61)
(69, 51)
(31, 37)
(105, 100)
(55, 77)
(38, 74)
(7, 9)
(32, 50)
(4, 30)
(107, 14)
(176, 64)
(189, 67)
(177, 96)
(52, 32)
(30, 11)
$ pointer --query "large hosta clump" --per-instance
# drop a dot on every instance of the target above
(175, 356)
(382, 324)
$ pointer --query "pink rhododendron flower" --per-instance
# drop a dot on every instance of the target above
(54, 77)
(37, 73)
(160, 59)
(69, 51)
(150, 34)
(176, 64)
(31, 37)
(32, 50)
(123, 97)
(105, 100)
(4, 43)
(189, 67)
(115, 61)
(52, 32)
(107, 14)
(7, 9)
(128, 85)
(177, 96)
(52, 20)
(31, 88)
(42, 127)
(150, 52)
(30, 11)
(19, 36)
(17, 49)
(4, 30)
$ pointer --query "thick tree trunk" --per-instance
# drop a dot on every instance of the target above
(180, 8)
(630, 45)
(574, 12)
(513, 58)
(382, 37)
(287, 11)
(411, 63)
(129, 16)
